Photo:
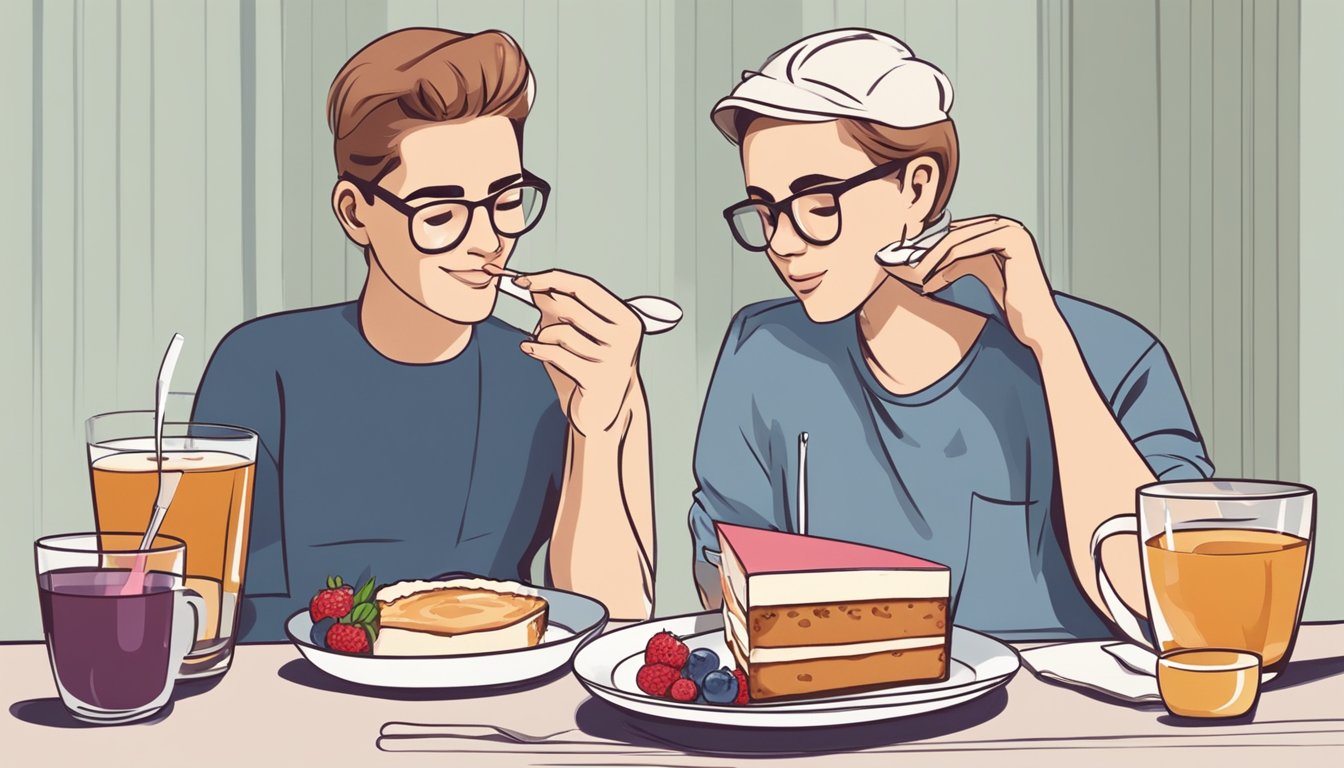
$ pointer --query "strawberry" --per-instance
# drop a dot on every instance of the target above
(655, 679)
(335, 601)
(356, 615)
(666, 648)
(348, 638)
(742, 696)
(683, 690)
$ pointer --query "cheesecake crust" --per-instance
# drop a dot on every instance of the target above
(844, 622)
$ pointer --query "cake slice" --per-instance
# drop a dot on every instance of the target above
(805, 615)
(458, 616)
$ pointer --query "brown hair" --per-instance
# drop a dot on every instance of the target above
(884, 144)
(411, 77)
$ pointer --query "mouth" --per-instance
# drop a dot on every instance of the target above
(472, 277)
(805, 284)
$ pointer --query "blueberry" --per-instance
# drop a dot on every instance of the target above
(318, 635)
(720, 687)
(702, 661)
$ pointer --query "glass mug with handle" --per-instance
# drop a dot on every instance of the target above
(117, 620)
(1225, 565)
(210, 508)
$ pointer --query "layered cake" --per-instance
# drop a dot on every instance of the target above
(458, 616)
(805, 615)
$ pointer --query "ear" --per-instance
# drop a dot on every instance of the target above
(921, 185)
(348, 203)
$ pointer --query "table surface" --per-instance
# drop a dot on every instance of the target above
(274, 708)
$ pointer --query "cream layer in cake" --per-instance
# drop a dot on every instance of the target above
(458, 616)
(811, 616)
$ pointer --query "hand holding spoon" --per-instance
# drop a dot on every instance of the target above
(657, 314)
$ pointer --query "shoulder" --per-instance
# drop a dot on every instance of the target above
(773, 346)
(775, 327)
(297, 328)
(1111, 342)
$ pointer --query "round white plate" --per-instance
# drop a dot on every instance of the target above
(607, 667)
(572, 620)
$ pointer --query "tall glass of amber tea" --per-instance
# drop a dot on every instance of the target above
(210, 510)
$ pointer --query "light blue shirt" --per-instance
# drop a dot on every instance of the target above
(962, 472)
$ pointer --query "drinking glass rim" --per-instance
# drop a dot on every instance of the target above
(49, 543)
(88, 423)
(1272, 489)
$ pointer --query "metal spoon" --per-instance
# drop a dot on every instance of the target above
(168, 481)
(656, 313)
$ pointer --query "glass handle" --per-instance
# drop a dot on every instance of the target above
(186, 625)
(1128, 621)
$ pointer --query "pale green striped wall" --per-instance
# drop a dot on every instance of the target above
(181, 168)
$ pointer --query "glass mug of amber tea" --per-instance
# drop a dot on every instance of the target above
(210, 509)
(1225, 569)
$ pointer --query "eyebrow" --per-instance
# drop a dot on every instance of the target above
(499, 184)
(761, 193)
(810, 180)
(446, 190)
(453, 190)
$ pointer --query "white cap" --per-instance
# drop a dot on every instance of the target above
(853, 73)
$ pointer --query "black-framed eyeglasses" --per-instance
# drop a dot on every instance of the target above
(441, 225)
(814, 213)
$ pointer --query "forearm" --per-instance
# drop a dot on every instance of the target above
(1099, 468)
(602, 544)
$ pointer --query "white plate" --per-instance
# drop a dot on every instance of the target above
(607, 667)
(572, 620)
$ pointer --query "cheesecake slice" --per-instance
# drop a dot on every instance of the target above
(458, 616)
(806, 616)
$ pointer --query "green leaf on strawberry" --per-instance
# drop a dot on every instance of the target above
(365, 592)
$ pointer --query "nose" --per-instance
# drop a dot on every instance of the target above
(785, 242)
(481, 238)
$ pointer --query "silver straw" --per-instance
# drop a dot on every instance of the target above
(802, 483)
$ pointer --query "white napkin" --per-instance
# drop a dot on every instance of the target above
(1120, 670)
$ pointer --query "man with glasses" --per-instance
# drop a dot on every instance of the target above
(410, 433)
(955, 407)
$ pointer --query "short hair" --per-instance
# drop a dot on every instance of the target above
(884, 144)
(413, 77)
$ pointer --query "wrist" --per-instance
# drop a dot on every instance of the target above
(632, 406)
(1049, 335)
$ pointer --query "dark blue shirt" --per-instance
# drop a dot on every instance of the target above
(961, 472)
(367, 464)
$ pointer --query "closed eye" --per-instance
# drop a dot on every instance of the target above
(439, 219)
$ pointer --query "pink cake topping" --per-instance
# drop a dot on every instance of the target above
(767, 551)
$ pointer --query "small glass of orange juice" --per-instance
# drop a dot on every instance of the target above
(1208, 683)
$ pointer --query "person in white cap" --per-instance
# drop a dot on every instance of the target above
(986, 423)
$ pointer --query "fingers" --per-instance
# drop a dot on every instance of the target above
(970, 240)
(959, 223)
(586, 291)
(570, 339)
(562, 308)
(986, 267)
(568, 363)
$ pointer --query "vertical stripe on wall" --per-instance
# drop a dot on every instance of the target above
(182, 169)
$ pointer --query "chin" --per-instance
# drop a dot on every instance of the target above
(826, 309)
(467, 309)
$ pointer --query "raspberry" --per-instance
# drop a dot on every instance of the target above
(348, 638)
(655, 679)
(742, 696)
(332, 603)
(683, 690)
(666, 648)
